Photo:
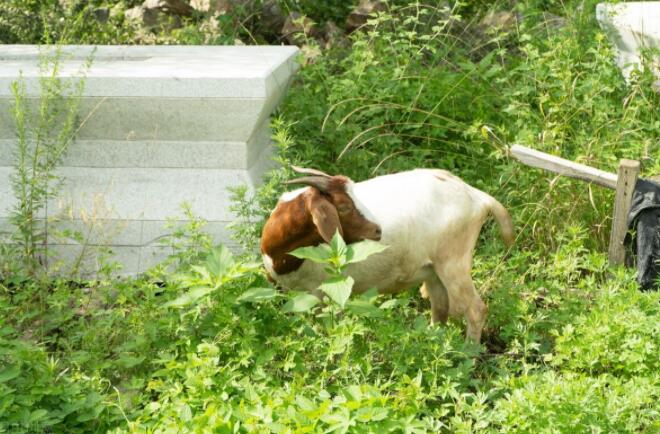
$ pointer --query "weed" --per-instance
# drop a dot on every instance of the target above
(205, 343)
(42, 140)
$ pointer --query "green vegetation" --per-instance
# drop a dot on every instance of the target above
(203, 343)
(44, 130)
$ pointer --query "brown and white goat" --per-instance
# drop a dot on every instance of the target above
(429, 219)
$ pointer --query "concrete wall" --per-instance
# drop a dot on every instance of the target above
(631, 27)
(162, 125)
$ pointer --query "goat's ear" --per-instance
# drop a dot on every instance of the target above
(325, 217)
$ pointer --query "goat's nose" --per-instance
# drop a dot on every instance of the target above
(379, 232)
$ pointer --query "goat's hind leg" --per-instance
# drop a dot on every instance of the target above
(463, 298)
(435, 291)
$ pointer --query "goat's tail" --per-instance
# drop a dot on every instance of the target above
(503, 219)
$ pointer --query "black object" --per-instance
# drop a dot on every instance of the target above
(644, 216)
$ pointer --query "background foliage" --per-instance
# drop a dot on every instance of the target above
(203, 343)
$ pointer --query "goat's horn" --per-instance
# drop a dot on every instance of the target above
(320, 182)
(306, 171)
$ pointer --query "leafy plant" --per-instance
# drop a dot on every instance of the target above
(38, 393)
(218, 268)
(336, 256)
(569, 344)
(42, 139)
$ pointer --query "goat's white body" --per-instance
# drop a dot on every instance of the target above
(430, 220)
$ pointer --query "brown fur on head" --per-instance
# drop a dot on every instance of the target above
(312, 218)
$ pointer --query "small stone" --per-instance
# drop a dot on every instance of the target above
(502, 21)
(176, 7)
(333, 35)
(553, 21)
(272, 17)
(215, 6)
(201, 5)
(296, 28)
(152, 4)
(366, 9)
(151, 17)
(101, 15)
(135, 14)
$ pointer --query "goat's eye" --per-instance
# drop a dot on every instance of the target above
(343, 209)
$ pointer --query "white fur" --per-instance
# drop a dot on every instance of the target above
(430, 220)
(268, 263)
(290, 195)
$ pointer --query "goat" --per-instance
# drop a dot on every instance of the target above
(429, 219)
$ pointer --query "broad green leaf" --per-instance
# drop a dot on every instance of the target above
(249, 266)
(305, 404)
(128, 361)
(203, 272)
(257, 294)
(9, 373)
(7, 330)
(338, 288)
(189, 297)
(360, 251)
(320, 254)
(370, 293)
(363, 308)
(36, 415)
(369, 414)
(219, 261)
(389, 304)
(421, 323)
(353, 393)
(183, 278)
(337, 244)
(185, 413)
(301, 303)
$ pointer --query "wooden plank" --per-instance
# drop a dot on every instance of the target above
(628, 172)
(541, 160)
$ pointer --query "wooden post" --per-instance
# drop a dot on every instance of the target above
(623, 183)
(625, 186)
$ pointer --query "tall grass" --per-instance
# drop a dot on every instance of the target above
(45, 127)
(570, 344)
(428, 86)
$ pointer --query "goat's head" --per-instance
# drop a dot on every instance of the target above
(334, 209)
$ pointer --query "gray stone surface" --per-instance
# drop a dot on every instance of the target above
(158, 153)
(161, 126)
(103, 230)
(165, 71)
(85, 260)
(179, 119)
(631, 27)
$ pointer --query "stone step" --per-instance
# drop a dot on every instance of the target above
(157, 126)
(165, 71)
(100, 229)
(157, 118)
(157, 153)
(143, 193)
